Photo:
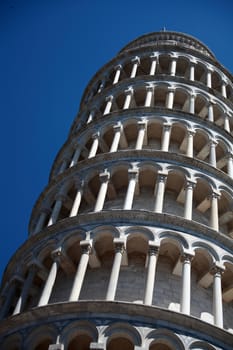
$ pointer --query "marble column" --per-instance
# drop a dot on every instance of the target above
(154, 59)
(189, 150)
(159, 192)
(42, 218)
(192, 103)
(25, 290)
(49, 284)
(116, 139)
(212, 155)
(209, 78)
(60, 198)
(188, 205)
(173, 66)
(133, 178)
(91, 116)
(186, 284)
(217, 295)
(136, 62)
(112, 286)
(64, 165)
(104, 179)
(192, 71)
(153, 253)
(170, 98)
(230, 165)
(95, 145)
(223, 89)
(227, 123)
(117, 74)
(76, 155)
(141, 134)
(210, 112)
(81, 271)
(9, 294)
(214, 224)
(108, 106)
(149, 95)
(166, 137)
(77, 201)
(128, 98)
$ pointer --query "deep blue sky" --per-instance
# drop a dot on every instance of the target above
(50, 49)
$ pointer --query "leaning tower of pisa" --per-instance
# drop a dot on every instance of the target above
(130, 244)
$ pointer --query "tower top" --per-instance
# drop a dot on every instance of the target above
(165, 37)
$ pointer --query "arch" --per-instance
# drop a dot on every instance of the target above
(144, 232)
(41, 337)
(225, 210)
(79, 334)
(13, 342)
(200, 345)
(179, 241)
(182, 66)
(181, 98)
(210, 251)
(174, 196)
(154, 133)
(163, 339)
(120, 329)
(178, 137)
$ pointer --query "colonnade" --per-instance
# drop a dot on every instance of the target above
(175, 96)
(175, 64)
(84, 199)
(187, 145)
(61, 260)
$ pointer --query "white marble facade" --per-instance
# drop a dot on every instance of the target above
(130, 244)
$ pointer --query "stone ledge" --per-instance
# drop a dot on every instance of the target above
(149, 316)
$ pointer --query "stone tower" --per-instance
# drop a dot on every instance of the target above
(130, 244)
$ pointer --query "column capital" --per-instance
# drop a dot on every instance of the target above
(97, 346)
(96, 135)
(109, 98)
(119, 244)
(35, 265)
(133, 173)
(209, 69)
(142, 123)
(118, 66)
(16, 278)
(162, 175)
(117, 127)
(217, 268)
(129, 90)
(78, 182)
(75, 144)
(153, 248)
(190, 183)
(56, 254)
(213, 142)
(45, 210)
(86, 246)
(154, 56)
(215, 194)
(171, 89)
(187, 256)
(150, 88)
(191, 132)
(136, 59)
(167, 126)
(104, 176)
